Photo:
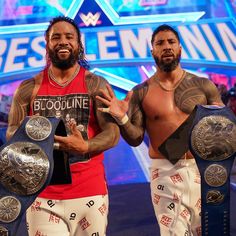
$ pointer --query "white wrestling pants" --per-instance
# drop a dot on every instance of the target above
(176, 197)
(75, 217)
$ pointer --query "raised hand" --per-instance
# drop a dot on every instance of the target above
(117, 108)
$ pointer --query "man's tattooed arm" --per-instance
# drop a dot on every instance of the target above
(110, 134)
(212, 93)
(195, 90)
(20, 106)
(133, 130)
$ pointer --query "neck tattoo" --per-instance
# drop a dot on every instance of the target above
(175, 85)
(57, 84)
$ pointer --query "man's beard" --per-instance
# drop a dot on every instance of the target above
(170, 65)
(63, 63)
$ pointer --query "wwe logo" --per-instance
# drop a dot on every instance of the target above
(90, 19)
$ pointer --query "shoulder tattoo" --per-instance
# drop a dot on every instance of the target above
(193, 90)
(139, 92)
(94, 83)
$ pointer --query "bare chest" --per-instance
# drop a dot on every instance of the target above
(159, 104)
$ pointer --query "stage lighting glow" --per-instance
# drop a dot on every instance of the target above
(145, 19)
(115, 80)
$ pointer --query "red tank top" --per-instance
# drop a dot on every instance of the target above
(73, 102)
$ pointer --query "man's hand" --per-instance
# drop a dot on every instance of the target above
(116, 108)
(73, 143)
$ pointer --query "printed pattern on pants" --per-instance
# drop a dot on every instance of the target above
(73, 217)
(176, 197)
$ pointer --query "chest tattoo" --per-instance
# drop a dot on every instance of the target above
(189, 93)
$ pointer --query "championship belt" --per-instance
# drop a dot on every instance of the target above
(213, 143)
(28, 164)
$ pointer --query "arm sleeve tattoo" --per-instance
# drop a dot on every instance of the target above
(212, 93)
(109, 135)
(20, 106)
(196, 90)
(133, 130)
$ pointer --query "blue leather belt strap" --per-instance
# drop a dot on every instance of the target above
(209, 133)
(212, 142)
(28, 164)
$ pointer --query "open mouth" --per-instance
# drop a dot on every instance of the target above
(63, 51)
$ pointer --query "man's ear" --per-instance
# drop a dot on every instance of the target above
(180, 50)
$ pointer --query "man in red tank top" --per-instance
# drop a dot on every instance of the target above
(66, 89)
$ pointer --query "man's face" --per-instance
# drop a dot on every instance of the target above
(62, 45)
(166, 50)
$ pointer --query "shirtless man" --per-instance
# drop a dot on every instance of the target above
(79, 208)
(159, 106)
